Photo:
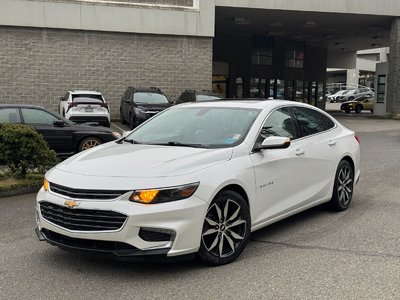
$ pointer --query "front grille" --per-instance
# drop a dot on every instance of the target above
(84, 244)
(82, 219)
(85, 194)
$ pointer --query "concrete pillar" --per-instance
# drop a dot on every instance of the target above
(352, 78)
(393, 80)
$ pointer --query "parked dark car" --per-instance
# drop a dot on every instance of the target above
(63, 136)
(140, 104)
(195, 96)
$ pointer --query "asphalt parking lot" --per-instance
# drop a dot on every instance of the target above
(314, 255)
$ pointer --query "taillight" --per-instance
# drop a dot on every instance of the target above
(357, 139)
(104, 105)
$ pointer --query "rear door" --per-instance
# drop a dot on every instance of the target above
(321, 150)
(9, 115)
(59, 138)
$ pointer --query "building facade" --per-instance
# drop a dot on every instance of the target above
(253, 48)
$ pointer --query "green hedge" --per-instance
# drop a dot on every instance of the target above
(23, 149)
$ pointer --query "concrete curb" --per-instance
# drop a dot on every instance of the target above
(20, 190)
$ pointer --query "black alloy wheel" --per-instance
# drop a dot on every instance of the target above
(226, 229)
(358, 108)
(343, 187)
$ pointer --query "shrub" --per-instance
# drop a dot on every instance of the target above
(22, 149)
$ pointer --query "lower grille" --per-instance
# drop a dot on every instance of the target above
(84, 244)
(82, 219)
(85, 194)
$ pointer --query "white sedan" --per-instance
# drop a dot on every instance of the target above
(197, 179)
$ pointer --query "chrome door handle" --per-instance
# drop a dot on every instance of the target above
(332, 143)
(300, 152)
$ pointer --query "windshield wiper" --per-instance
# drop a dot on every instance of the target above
(175, 143)
(128, 141)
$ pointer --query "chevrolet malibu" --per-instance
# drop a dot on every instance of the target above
(197, 179)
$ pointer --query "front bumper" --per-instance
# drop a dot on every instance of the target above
(184, 218)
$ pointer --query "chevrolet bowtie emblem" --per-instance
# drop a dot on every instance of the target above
(71, 203)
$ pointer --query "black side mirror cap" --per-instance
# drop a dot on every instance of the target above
(58, 123)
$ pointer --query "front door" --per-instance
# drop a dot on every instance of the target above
(280, 184)
(58, 138)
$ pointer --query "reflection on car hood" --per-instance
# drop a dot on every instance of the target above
(155, 107)
(143, 161)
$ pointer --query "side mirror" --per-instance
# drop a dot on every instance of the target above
(272, 142)
(58, 123)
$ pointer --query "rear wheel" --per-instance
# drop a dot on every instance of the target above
(343, 187)
(88, 143)
(351, 98)
(226, 229)
(358, 109)
(347, 110)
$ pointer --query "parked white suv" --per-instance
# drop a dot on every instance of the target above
(352, 94)
(85, 106)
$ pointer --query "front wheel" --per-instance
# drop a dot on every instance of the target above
(343, 187)
(226, 229)
(358, 109)
(88, 143)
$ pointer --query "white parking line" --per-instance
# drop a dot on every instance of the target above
(119, 128)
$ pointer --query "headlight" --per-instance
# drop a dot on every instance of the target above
(139, 111)
(45, 185)
(116, 134)
(153, 196)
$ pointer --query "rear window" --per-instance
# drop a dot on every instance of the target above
(82, 98)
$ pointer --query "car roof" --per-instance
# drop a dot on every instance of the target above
(74, 92)
(148, 90)
(245, 103)
(21, 106)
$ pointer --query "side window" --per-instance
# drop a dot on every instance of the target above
(328, 122)
(309, 121)
(191, 97)
(279, 123)
(37, 116)
(9, 115)
(66, 97)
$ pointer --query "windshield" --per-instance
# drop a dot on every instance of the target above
(150, 98)
(209, 127)
(207, 98)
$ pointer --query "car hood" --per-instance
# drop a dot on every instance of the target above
(143, 161)
(155, 107)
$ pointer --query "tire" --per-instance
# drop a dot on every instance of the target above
(89, 142)
(372, 111)
(347, 110)
(132, 122)
(121, 117)
(350, 98)
(343, 187)
(221, 240)
(358, 109)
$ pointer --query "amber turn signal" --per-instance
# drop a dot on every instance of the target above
(46, 185)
